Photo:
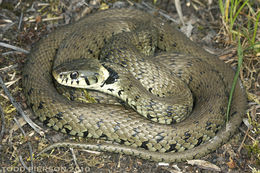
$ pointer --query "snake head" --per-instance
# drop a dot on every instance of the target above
(81, 73)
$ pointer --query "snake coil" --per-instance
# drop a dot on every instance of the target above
(208, 78)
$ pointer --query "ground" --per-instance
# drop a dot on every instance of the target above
(204, 25)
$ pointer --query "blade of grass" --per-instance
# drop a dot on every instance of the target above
(240, 60)
(221, 7)
(237, 13)
(226, 10)
(255, 27)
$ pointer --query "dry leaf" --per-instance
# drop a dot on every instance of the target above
(204, 165)
(231, 164)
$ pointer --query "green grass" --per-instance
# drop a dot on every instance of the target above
(241, 24)
(234, 13)
(240, 61)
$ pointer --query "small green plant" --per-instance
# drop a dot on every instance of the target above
(239, 18)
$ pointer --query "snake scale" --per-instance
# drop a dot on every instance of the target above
(208, 78)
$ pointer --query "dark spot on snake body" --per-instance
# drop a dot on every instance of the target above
(82, 37)
(120, 92)
(233, 113)
(161, 38)
(149, 116)
(124, 64)
(90, 51)
(66, 80)
(136, 132)
(134, 107)
(208, 126)
(85, 134)
(99, 123)
(67, 130)
(217, 127)
(105, 41)
(196, 122)
(189, 64)
(190, 79)
(173, 121)
(103, 136)
(169, 114)
(81, 118)
(96, 79)
(150, 90)
(187, 135)
(46, 121)
(159, 137)
(71, 82)
(30, 91)
(116, 127)
(110, 89)
(122, 141)
(137, 97)
(31, 105)
(222, 110)
(77, 82)
(59, 116)
(200, 140)
(172, 148)
(40, 105)
(179, 72)
(144, 145)
(219, 95)
(86, 80)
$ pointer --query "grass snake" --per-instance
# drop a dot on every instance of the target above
(107, 34)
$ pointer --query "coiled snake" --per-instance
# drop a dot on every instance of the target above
(208, 79)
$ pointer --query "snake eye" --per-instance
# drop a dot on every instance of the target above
(74, 75)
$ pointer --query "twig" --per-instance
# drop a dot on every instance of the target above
(8, 68)
(19, 109)
(247, 134)
(20, 21)
(2, 123)
(8, 84)
(243, 141)
(75, 160)
(13, 47)
(179, 11)
(11, 52)
(31, 154)
(45, 19)
(159, 11)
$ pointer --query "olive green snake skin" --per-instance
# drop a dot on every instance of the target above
(208, 78)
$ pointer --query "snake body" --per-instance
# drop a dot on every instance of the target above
(208, 78)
